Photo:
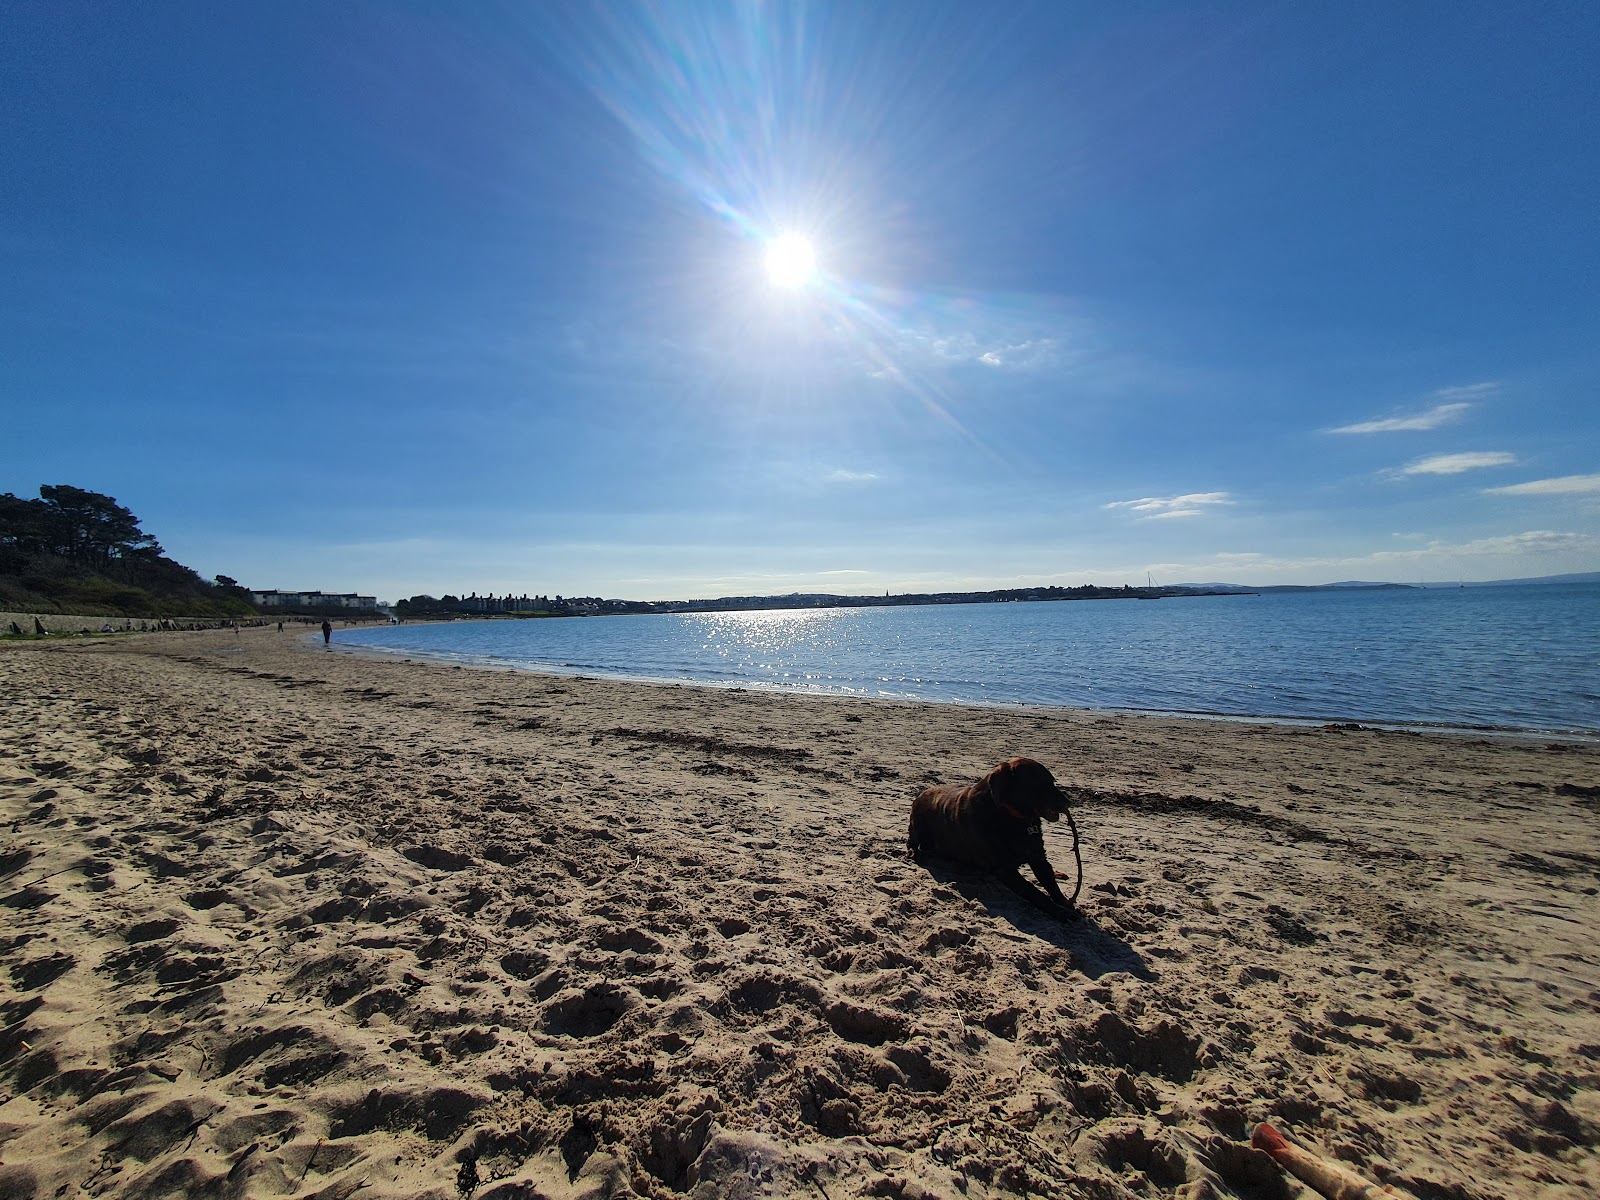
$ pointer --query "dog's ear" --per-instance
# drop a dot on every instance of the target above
(1002, 780)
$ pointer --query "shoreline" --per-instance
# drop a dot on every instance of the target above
(469, 662)
(289, 922)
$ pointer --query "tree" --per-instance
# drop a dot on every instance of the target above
(89, 527)
(21, 522)
(78, 551)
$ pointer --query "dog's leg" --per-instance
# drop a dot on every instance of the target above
(1046, 875)
(1058, 909)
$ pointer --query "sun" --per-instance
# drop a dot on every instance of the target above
(791, 262)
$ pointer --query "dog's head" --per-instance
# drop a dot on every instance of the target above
(1027, 790)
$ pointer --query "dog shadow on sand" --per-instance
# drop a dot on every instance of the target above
(1095, 950)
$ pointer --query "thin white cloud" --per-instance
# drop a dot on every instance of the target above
(1439, 414)
(1455, 464)
(840, 475)
(1152, 508)
(1535, 551)
(1563, 485)
(1468, 391)
(1530, 542)
(1534, 541)
(971, 347)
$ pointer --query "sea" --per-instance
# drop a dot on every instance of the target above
(1512, 659)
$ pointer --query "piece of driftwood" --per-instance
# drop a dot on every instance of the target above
(1331, 1179)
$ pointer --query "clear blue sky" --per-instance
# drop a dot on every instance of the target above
(401, 298)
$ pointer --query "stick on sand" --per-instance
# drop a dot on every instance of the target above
(1329, 1178)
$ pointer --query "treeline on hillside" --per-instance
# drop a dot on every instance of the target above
(75, 551)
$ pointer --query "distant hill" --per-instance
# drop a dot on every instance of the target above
(1356, 585)
(1347, 586)
(1577, 577)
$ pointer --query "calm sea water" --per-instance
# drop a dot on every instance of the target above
(1513, 658)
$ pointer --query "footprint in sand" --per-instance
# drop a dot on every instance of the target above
(32, 974)
(589, 1012)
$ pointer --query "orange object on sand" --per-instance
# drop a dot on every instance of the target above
(1331, 1179)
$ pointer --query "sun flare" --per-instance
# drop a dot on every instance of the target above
(791, 262)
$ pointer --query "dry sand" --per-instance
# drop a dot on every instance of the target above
(283, 922)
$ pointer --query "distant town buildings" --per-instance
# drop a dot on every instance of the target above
(420, 605)
(493, 603)
(277, 599)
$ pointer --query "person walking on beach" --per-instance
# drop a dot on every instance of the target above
(327, 633)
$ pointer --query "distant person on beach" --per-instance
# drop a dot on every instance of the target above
(327, 633)
(280, 626)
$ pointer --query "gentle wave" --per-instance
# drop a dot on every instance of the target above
(1505, 658)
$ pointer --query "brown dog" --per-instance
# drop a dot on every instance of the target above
(994, 825)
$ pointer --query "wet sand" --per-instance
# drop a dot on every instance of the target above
(277, 921)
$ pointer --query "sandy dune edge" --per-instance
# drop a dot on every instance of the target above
(280, 922)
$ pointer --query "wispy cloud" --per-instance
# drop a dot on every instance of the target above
(1152, 508)
(958, 347)
(1455, 464)
(1439, 414)
(1467, 392)
(1450, 403)
(1442, 558)
(1562, 485)
(1534, 541)
(840, 475)
(1028, 355)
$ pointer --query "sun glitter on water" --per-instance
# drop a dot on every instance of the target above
(791, 262)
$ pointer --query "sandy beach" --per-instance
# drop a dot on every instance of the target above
(278, 921)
